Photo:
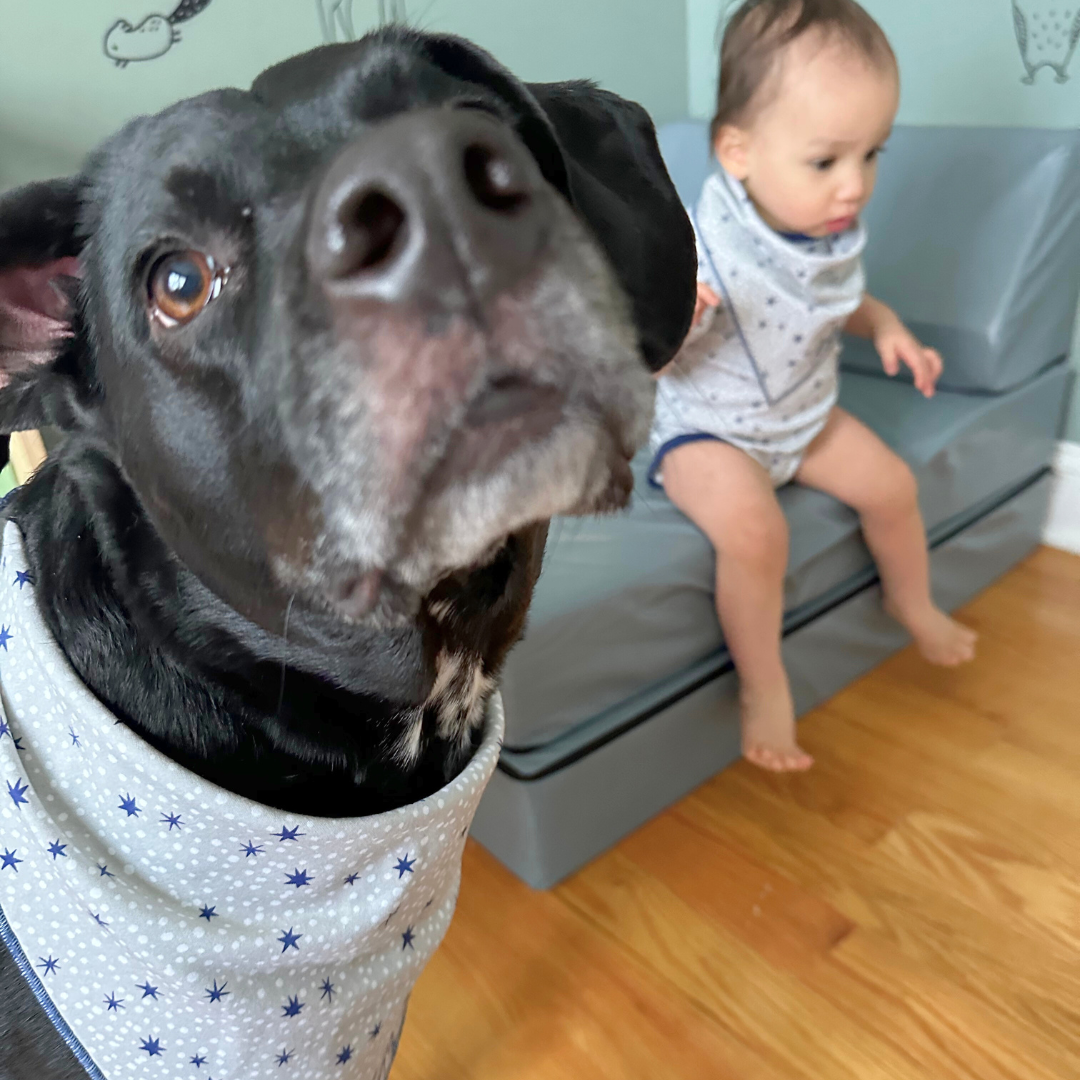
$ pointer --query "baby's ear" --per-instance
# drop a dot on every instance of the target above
(730, 147)
(39, 269)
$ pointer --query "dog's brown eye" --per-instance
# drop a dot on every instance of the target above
(182, 283)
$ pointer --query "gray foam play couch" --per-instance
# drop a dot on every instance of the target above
(621, 698)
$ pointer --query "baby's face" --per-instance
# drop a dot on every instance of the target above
(808, 158)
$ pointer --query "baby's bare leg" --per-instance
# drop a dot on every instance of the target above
(851, 463)
(731, 499)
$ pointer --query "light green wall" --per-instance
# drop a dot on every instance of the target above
(60, 94)
(959, 63)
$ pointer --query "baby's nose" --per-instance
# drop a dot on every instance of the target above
(853, 186)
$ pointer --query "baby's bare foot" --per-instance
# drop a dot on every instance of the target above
(768, 731)
(940, 639)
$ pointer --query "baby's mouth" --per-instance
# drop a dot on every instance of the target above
(838, 225)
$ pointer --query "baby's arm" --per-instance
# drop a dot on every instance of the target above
(895, 343)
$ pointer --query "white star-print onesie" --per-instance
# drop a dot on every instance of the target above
(762, 371)
(172, 929)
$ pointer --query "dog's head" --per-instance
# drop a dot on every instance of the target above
(346, 332)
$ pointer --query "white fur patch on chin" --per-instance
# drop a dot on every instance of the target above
(458, 696)
(407, 750)
(467, 520)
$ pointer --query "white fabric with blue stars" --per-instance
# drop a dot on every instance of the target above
(761, 373)
(181, 931)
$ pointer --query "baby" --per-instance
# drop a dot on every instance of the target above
(808, 93)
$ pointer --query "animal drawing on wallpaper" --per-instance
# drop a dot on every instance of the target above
(1048, 32)
(336, 17)
(151, 38)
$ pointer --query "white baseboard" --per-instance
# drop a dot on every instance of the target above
(1062, 529)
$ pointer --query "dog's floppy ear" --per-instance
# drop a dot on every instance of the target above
(600, 151)
(464, 60)
(620, 186)
(39, 248)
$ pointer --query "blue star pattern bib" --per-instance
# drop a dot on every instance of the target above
(174, 930)
(762, 372)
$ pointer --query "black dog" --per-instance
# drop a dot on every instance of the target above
(327, 355)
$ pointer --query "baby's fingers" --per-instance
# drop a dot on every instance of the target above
(913, 355)
(706, 299)
(937, 365)
(706, 294)
(927, 369)
(890, 359)
(923, 382)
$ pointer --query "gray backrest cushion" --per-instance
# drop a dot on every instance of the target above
(974, 240)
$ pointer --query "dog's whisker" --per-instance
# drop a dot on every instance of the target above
(284, 655)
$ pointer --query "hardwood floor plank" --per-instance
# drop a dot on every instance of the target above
(1023, 971)
(525, 987)
(764, 1006)
(948, 1030)
(1009, 884)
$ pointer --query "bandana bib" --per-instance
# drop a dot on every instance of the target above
(172, 929)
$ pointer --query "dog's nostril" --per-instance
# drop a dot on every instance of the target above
(493, 180)
(372, 225)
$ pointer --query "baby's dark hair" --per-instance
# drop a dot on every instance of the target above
(760, 30)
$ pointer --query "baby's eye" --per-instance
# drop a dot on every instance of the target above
(823, 164)
(874, 154)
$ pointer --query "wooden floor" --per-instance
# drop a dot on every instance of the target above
(910, 908)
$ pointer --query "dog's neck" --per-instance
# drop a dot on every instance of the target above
(251, 712)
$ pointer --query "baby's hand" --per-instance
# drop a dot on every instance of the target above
(896, 343)
(706, 298)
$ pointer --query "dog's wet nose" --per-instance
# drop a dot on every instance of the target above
(444, 207)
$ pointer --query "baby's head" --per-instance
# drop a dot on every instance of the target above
(808, 94)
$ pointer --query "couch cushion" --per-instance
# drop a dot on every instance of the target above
(974, 235)
(627, 600)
